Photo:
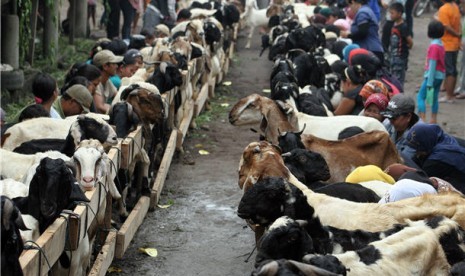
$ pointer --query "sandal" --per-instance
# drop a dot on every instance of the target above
(460, 96)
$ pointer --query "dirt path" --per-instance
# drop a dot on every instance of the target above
(200, 234)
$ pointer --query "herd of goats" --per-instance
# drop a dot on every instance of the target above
(48, 164)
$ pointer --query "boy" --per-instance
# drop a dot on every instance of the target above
(400, 42)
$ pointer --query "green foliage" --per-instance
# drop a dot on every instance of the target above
(24, 13)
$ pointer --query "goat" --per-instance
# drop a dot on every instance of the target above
(12, 244)
(253, 18)
(259, 158)
(84, 127)
(416, 250)
(166, 77)
(124, 118)
(52, 189)
(310, 167)
(285, 238)
(342, 156)
(18, 166)
(256, 109)
(284, 267)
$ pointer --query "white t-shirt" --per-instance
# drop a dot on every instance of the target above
(54, 114)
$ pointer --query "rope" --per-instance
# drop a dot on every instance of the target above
(69, 213)
(250, 255)
(37, 247)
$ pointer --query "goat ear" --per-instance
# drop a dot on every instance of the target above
(287, 154)
(7, 211)
(163, 67)
(71, 166)
(77, 194)
(277, 148)
(21, 203)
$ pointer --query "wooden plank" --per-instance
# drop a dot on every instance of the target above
(163, 169)
(131, 146)
(105, 256)
(78, 225)
(130, 226)
(52, 242)
(201, 99)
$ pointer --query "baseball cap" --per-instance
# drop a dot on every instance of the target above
(398, 105)
(162, 28)
(104, 57)
(326, 12)
(80, 94)
(131, 55)
(380, 100)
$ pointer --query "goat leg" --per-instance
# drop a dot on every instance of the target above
(249, 37)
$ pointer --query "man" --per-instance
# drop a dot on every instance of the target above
(449, 16)
(159, 11)
(107, 62)
(76, 100)
(402, 117)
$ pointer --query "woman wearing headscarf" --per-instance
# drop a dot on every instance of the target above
(352, 80)
(438, 154)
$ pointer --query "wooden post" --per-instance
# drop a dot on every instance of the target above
(35, 8)
(72, 10)
(50, 38)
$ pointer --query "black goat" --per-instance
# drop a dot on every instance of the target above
(309, 104)
(212, 34)
(284, 267)
(307, 39)
(124, 118)
(85, 127)
(166, 77)
(12, 244)
(53, 189)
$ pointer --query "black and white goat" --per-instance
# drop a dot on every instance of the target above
(85, 127)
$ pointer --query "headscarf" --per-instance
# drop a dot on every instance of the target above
(346, 51)
(369, 173)
(437, 144)
(373, 87)
(342, 24)
(380, 100)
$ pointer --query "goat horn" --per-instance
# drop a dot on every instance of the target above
(287, 154)
(302, 131)
(253, 130)
(302, 222)
(256, 149)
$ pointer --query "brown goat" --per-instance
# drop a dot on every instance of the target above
(254, 164)
(148, 106)
(343, 156)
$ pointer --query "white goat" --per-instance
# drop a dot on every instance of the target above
(21, 167)
(253, 18)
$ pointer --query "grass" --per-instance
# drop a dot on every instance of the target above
(223, 94)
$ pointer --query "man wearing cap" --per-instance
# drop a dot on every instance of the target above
(401, 114)
(107, 62)
(76, 100)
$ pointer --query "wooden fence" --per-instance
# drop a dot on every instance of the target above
(69, 230)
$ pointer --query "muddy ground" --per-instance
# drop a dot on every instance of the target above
(200, 233)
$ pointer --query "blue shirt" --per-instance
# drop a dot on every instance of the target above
(375, 8)
(371, 42)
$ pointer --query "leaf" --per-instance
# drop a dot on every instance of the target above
(224, 105)
(112, 269)
(203, 152)
(198, 146)
(266, 90)
(152, 252)
(163, 206)
(227, 83)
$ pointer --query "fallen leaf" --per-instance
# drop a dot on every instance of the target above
(198, 146)
(266, 90)
(227, 83)
(112, 269)
(224, 105)
(163, 206)
(152, 252)
(203, 152)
